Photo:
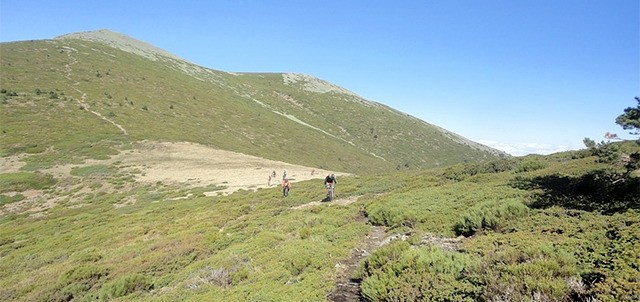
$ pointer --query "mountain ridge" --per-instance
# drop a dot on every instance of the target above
(121, 41)
(112, 74)
(310, 83)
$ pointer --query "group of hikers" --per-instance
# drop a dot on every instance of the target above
(329, 183)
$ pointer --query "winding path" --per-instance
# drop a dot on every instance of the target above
(348, 289)
(82, 101)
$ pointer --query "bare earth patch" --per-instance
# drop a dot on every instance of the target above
(196, 165)
(178, 163)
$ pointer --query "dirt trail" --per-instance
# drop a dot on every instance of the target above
(348, 289)
(82, 101)
(341, 202)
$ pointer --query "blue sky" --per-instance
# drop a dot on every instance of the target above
(522, 76)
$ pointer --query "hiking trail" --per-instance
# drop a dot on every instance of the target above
(347, 289)
(83, 96)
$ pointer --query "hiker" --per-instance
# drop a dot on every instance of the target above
(286, 186)
(284, 174)
(269, 181)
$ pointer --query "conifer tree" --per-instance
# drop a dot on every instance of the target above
(630, 119)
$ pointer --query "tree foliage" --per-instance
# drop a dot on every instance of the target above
(608, 152)
(630, 119)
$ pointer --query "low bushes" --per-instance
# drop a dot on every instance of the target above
(22, 181)
(93, 171)
(401, 272)
(460, 172)
(529, 165)
(536, 273)
(125, 285)
(492, 215)
(77, 281)
(6, 199)
(387, 215)
(398, 272)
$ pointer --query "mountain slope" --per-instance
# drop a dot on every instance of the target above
(102, 90)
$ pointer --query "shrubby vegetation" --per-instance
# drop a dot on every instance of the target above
(22, 181)
(462, 171)
(518, 250)
(563, 227)
(492, 215)
(540, 272)
(517, 243)
(397, 272)
(571, 235)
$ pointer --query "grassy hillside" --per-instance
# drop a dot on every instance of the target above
(502, 230)
(70, 96)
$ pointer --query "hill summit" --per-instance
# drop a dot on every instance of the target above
(90, 94)
(122, 42)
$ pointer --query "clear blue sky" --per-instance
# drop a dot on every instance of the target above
(523, 76)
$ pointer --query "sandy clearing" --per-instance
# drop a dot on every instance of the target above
(197, 165)
(182, 164)
(191, 165)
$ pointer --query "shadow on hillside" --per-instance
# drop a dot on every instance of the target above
(595, 191)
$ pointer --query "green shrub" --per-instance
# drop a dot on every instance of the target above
(398, 272)
(95, 170)
(87, 255)
(597, 190)
(529, 165)
(35, 149)
(610, 258)
(536, 273)
(376, 261)
(385, 215)
(492, 215)
(5, 199)
(460, 172)
(22, 181)
(125, 285)
(77, 282)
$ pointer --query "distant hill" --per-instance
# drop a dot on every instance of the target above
(87, 95)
